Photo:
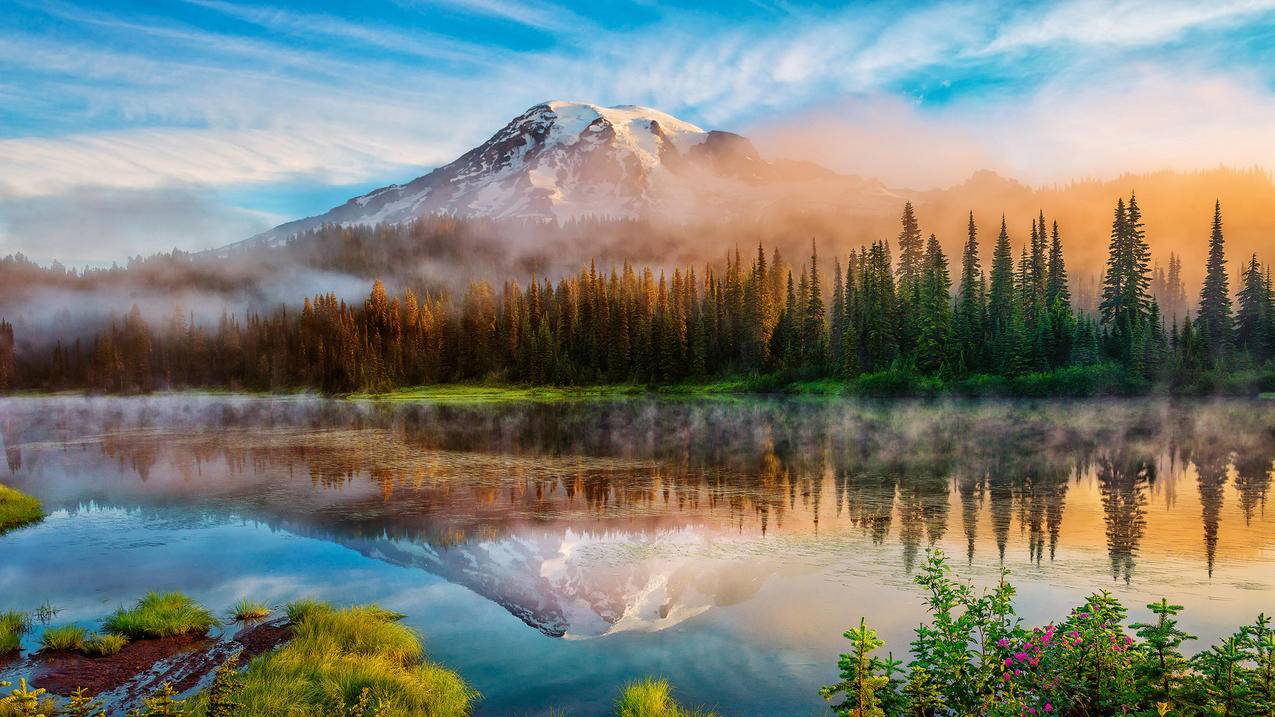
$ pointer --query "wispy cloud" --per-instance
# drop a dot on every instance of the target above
(215, 92)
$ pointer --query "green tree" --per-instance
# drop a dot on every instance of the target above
(1214, 320)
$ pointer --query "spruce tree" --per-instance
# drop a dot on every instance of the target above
(1214, 320)
(815, 323)
(968, 321)
(1001, 301)
(1251, 318)
(935, 310)
(1058, 303)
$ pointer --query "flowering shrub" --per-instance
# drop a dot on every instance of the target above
(975, 657)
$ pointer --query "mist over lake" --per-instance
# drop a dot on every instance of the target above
(551, 551)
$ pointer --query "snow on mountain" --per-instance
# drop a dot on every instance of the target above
(560, 160)
(557, 161)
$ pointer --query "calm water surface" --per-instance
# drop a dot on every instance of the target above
(551, 552)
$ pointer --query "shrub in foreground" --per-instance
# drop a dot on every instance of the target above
(161, 615)
(974, 656)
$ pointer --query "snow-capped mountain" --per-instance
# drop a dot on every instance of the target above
(563, 160)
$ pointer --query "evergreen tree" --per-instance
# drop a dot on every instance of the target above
(815, 322)
(1001, 302)
(1214, 320)
(968, 321)
(935, 310)
(1252, 317)
(1058, 303)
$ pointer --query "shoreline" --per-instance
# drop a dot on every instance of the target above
(1105, 381)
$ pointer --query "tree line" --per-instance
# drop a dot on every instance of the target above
(876, 313)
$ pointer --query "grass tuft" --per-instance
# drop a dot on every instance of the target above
(13, 625)
(244, 610)
(104, 645)
(337, 659)
(63, 638)
(161, 615)
(651, 697)
(17, 509)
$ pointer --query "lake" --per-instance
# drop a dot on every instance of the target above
(551, 551)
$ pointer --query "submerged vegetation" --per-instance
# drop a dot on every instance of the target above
(887, 323)
(161, 615)
(17, 509)
(975, 656)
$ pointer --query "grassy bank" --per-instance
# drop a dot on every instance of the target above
(358, 660)
(17, 509)
(1099, 380)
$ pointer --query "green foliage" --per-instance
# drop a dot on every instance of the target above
(82, 704)
(973, 656)
(901, 323)
(221, 693)
(22, 701)
(13, 625)
(652, 697)
(161, 615)
(104, 645)
(17, 509)
(299, 610)
(245, 609)
(164, 704)
(359, 660)
(863, 677)
(63, 638)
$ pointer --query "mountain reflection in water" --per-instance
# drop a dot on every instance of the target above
(584, 519)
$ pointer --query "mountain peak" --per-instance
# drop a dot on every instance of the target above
(562, 160)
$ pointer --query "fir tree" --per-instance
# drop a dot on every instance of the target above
(968, 321)
(1001, 301)
(935, 310)
(1252, 317)
(1214, 320)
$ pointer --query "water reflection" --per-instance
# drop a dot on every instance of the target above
(591, 519)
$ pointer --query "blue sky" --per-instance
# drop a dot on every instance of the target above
(130, 127)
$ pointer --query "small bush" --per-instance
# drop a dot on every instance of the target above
(161, 615)
(652, 697)
(104, 645)
(63, 638)
(246, 609)
(17, 509)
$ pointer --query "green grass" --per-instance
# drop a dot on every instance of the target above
(63, 638)
(651, 697)
(245, 609)
(480, 393)
(13, 625)
(17, 509)
(103, 645)
(161, 615)
(334, 656)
